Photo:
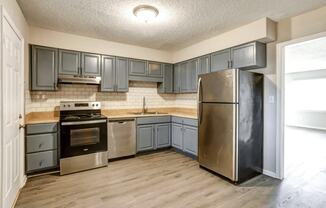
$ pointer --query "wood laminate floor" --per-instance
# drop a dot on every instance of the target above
(167, 179)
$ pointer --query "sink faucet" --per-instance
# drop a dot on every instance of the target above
(144, 105)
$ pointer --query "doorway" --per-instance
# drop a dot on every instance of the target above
(302, 111)
(11, 111)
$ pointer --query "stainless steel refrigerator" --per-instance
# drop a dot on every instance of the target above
(230, 119)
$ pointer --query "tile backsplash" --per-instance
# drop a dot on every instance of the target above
(48, 101)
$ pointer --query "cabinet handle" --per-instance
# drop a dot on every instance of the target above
(40, 145)
(40, 163)
(231, 63)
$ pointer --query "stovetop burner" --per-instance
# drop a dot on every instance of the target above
(80, 111)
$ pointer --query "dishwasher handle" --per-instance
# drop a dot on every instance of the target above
(121, 121)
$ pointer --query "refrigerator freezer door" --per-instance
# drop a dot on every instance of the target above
(217, 138)
(221, 86)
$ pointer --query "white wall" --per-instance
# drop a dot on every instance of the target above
(263, 30)
(51, 38)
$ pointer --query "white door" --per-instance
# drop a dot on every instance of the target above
(11, 109)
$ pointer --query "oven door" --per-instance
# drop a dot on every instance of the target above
(83, 137)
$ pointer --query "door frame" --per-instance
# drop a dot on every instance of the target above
(4, 15)
(280, 98)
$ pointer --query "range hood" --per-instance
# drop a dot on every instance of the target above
(74, 79)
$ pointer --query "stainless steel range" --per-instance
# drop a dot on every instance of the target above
(83, 136)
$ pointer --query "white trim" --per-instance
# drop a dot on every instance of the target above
(270, 173)
(23, 178)
(280, 48)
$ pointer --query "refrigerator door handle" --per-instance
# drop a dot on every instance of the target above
(199, 101)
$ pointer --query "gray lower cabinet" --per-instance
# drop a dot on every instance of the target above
(44, 68)
(153, 133)
(185, 135)
(204, 64)
(249, 56)
(177, 136)
(145, 137)
(91, 64)
(114, 74)
(41, 147)
(190, 139)
(69, 62)
(220, 60)
(163, 135)
(167, 85)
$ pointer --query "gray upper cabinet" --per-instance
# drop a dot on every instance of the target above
(220, 60)
(145, 137)
(108, 81)
(44, 68)
(176, 79)
(122, 82)
(162, 136)
(137, 67)
(167, 85)
(190, 139)
(114, 74)
(183, 77)
(69, 62)
(204, 64)
(155, 69)
(191, 75)
(91, 64)
(249, 56)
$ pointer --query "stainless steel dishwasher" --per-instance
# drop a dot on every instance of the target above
(121, 137)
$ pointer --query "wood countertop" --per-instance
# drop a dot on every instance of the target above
(53, 116)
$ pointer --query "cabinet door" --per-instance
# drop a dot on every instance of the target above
(137, 67)
(162, 136)
(204, 64)
(190, 140)
(220, 60)
(176, 79)
(69, 62)
(167, 85)
(145, 137)
(192, 68)
(108, 74)
(155, 69)
(177, 136)
(44, 68)
(91, 64)
(122, 81)
(249, 56)
(183, 77)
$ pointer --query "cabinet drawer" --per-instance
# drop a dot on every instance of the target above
(41, 128)
(153, 120)
(42, 142)
(185, 121)
(41, 160)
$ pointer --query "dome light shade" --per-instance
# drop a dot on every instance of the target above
(145, 13)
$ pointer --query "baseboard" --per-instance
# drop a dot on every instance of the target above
(270, 173)
(23, 183)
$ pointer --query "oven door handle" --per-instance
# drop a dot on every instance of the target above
(82, 122)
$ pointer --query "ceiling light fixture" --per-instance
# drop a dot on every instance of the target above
(145, 13)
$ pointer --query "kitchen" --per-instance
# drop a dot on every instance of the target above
(138, 120)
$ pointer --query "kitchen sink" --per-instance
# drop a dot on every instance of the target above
(147, 113)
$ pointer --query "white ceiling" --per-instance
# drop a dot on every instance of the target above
(179, 24)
